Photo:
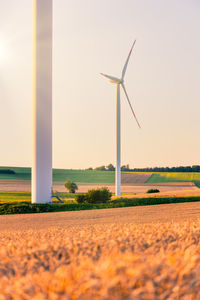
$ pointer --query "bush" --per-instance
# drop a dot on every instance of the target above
(71, 186)
(81, 198)
(101, 195)
(153, 191)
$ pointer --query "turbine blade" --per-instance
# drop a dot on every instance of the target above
(130, 105)
(105, 75)
(110, 77)
(126, 63)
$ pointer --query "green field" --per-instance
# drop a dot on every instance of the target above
(174, 177)
(10, 197)
(22, 197)
(60, 175)
(87, 176)
(21, 173)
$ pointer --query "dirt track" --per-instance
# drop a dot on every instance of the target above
(141, 214)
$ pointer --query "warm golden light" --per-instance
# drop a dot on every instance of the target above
(2, 51)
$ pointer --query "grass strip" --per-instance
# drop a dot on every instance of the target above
(24, 207)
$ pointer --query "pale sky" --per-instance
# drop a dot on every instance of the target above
(90, 36)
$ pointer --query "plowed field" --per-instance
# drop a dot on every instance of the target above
(134, 189)
(135, 178)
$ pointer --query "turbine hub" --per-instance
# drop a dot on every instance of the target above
(116, 80)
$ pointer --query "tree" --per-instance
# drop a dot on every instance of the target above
(110, 167)
(125, 168)
(7, 171)
(71, 186)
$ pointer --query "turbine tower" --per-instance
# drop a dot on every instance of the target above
(120, 82)
(42, 102)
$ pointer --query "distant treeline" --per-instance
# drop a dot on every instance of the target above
(6, 171)
(125, 168)
(167, 169)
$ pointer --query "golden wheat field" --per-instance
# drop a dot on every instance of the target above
(104, 260)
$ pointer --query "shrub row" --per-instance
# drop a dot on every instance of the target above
(24, 208)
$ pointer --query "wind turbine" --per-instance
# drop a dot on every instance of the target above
(42, 101)
(120, 82)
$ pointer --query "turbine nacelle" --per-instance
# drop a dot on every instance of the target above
(117, 81)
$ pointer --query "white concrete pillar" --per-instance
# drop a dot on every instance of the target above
(118, 145)
(42, 102)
